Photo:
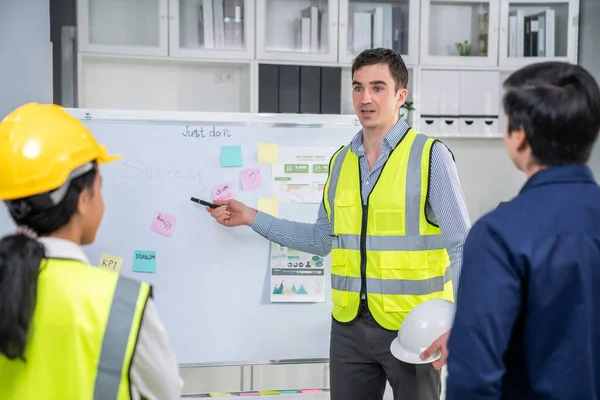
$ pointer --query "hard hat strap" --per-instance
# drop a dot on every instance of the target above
(56, 196)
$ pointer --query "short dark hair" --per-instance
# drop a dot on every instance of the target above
(557, 105)
(384, 56)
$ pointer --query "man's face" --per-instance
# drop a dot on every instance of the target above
(376, 101)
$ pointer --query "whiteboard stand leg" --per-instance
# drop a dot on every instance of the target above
(246, 378)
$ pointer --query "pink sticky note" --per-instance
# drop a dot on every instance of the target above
(223, 192)
(164, 223)
(251, 179)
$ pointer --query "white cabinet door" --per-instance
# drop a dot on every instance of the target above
(214, 29)
(297, 30)
(460, 33)
(535, 31)
(385, 23)
(131, 27)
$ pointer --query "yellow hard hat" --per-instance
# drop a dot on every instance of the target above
(40, 145)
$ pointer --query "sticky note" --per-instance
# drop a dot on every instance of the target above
(268, 392)
(112, 263)
(268, 153)
(231, 156)
(220, 394)
(144, 261)
(269, 205)
(251, 179)
(164, 223)
(223, 192)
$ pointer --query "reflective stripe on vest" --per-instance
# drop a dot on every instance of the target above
(116, 337)
(393, 286)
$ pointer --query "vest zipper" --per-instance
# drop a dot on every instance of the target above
(363, 251)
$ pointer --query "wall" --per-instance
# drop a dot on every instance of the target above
(25, 53)
(589, 54)
(589, 32)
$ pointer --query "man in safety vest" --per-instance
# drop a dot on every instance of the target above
(394, 218)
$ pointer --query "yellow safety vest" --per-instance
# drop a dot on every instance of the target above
(384, 246)
(81, 338)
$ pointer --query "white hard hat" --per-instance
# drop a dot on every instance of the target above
(421, 327)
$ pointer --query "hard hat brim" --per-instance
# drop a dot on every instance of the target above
(410, 357)
(108, 158)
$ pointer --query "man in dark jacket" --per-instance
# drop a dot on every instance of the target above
(527, 324)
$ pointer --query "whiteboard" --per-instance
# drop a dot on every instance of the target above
(212, 283)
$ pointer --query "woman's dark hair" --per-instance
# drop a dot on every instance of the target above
(21, 258)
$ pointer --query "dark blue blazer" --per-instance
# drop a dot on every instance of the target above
(527, 324)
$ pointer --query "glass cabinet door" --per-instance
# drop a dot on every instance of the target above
(212, 28)
(366, 24)
(460, 32)
(297, 30)
(134, 27)
(538, 31)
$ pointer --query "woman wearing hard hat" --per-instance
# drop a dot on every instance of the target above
(68, 330)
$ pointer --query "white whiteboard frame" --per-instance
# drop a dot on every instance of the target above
(319, 120)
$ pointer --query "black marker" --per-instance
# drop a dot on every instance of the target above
(204, 203)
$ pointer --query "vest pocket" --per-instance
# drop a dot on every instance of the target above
(339, 278)
(345, 212)
(403, 275)
(389, 222)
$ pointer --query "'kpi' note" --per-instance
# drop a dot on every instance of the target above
(269, 205)
(223, 192)
(164, 223)
(268, 153)
(112, 263)
(231, 156)
(251, 179)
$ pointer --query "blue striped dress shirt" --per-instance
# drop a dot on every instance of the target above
(446, 205)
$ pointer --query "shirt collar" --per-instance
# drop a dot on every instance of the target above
(389, 142)
(560, 174)
(62, 248)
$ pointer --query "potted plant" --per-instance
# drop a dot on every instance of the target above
(464, 48)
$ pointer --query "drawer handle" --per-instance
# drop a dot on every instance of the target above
(489, 122)
(429, 121)
(449, 122)
(469, 122)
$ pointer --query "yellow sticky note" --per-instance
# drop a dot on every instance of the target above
(220, 394)
(110, 262)
(269, 205)
(268, 153)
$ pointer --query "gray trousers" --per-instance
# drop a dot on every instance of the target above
(361, 362)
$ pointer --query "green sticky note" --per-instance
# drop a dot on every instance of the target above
(231, 156)
(144, 261)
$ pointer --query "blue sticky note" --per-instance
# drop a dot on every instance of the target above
(231, 156)
(144, 261)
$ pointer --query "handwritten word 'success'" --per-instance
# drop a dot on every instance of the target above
(136, 169)
(202, 132)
